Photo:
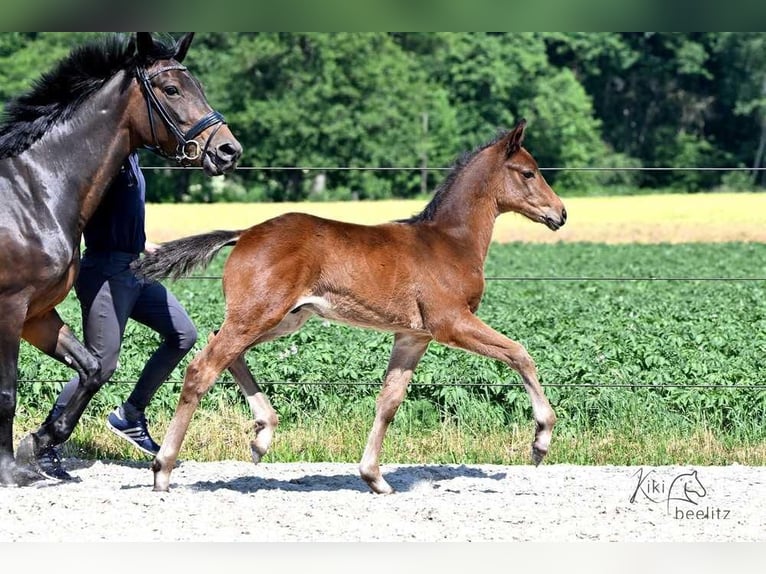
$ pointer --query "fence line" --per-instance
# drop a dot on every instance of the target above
(457, 384)
(553, 278)
(422, 168)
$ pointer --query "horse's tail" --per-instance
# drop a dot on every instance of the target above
(177, 258)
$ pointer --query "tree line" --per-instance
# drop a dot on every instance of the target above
(418, 100)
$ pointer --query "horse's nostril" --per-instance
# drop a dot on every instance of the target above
(228, 151)
(563, 216)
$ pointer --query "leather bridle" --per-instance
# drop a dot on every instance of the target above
(188, 148)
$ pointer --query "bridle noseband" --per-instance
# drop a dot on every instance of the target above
(188, 148)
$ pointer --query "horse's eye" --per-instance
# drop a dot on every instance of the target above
(170, 90)
(528, 174)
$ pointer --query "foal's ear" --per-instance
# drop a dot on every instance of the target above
(144, 45)
(515, 138)
(183, 47)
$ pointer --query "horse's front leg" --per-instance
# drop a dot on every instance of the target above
(11, 321)
(405, 356)
(468, 332)
(49, 334)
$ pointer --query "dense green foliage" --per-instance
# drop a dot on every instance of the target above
(655, 339)
(419, 99)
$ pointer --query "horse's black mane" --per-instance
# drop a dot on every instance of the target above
(429, 212)
(58, 93)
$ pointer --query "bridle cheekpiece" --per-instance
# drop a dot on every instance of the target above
(188, 148)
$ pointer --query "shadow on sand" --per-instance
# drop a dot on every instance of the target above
(402, 479)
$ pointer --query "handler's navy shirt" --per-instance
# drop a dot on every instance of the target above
(118, 223)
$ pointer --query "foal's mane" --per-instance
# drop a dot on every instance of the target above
(57, 94)
(429, 212)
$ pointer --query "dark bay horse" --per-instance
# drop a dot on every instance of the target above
(60, 146)
(421, 278)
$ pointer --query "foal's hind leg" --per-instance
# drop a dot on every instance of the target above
(407, 351)
(265, 419)
(237, 334)
(468, 332)
(200, 375)
(264, 416)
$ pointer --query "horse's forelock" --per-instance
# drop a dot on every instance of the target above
(163, 47)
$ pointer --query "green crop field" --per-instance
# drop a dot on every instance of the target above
(649, 353)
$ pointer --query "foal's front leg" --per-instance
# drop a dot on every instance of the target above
(405, 356)
(468, 332)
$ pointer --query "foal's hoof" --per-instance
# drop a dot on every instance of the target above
(255, 453)
(380, 486)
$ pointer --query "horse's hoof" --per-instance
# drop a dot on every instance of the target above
(24, 476)
(26, 453)
(538, 455)
(12, 474)
(387, 489)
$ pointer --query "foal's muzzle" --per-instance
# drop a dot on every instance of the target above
(555, 223)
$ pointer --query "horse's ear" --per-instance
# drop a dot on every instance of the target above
(183, 47)
(144, 45)
(515, 138)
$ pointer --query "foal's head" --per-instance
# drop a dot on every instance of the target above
(172, 115)
(520, 186)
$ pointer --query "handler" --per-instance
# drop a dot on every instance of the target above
(109, 294)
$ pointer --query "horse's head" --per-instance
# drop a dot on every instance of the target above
(172, 115)
(523, 188)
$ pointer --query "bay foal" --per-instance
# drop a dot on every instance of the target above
(420, 278)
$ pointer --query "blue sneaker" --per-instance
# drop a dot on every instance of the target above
(135, 432)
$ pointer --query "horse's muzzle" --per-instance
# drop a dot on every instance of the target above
(556, 223)
(223, 158)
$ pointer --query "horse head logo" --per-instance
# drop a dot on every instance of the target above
(686, 488)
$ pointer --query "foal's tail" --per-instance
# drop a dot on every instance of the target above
(177, 258)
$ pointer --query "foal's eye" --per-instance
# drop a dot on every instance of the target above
(528, 174)
(170, 90)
